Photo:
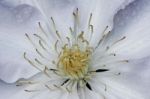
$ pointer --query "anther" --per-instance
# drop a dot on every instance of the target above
(54, 25)
(43, 31)
(27, 36)
(99, 70)
(38, 36)
(56, 44)
(65, 82)
(21, 82)
(38, 61)
(69, 42)
(71, 31)
(42, 46)
(119, 40)
(102, 70)
(87, 85)
(89, 23)
(53, 69)
(40, 54)
(31, 90)
(56, 31)
(31, 62)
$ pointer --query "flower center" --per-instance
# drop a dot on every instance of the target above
(74, 62)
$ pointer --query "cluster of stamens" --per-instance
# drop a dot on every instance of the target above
(73, 62)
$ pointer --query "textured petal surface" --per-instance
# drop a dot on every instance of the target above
(133, 22)
(137, 77)
(13, 92)
(15, 22)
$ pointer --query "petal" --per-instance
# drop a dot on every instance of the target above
(37, 90)
(137, 77)
(87, 94)
(133, 22)
(15, 22)
(13, 92)
(62, 9)
(115, 89)
(102, 15)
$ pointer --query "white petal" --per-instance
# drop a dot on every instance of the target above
(15, 22)
(115, 89)
(137, 77)
(133, 22)
(85, 93)
(61, 11)
(102, 15)
(13, 92)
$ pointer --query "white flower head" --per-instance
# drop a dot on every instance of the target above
(78, 59)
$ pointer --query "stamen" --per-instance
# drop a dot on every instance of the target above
(102, 70)
(43, 31)
(69, 42)
(65, 82)
(87, 85)
(31, 90)
(71, 31)
(85, 41)
(92, 28)
(31, 62)
(90, 19)
(21, 82)
(56, 44)
(38, 61)
(56, 31)
(103, 37)
(55, 71)
(119, 40)
(45, 48)
(40, 54)
(57, 86)
(38, 36)
(74, 57)
(54, 25)
(80, 36)
(99, 70)
(42, 46)
(46, 72)
(76, 22)
(28, 37)
(108, 47)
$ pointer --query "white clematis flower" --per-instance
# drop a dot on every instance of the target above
(74, 53)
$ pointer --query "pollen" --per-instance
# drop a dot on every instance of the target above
(74, 62)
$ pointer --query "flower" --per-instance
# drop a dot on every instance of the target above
(80, 60)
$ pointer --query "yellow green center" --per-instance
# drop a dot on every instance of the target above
(74, 62)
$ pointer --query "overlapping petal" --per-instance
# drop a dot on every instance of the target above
(134, 24)
(15, 22)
